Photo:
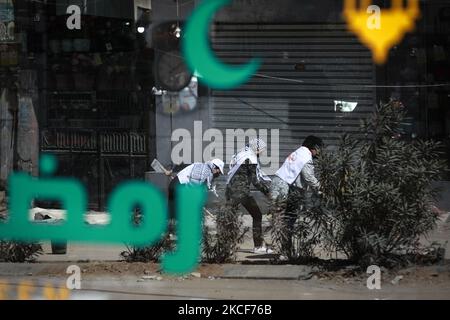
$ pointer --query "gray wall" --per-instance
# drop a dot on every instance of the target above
(165, 125)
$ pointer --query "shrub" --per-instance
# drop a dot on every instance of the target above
(11, 251)
(379, 189)
(221, 246)
(19, 252)
(149, 253)
(377, 193)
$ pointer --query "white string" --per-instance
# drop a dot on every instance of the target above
(411, 86)
(278, 78)
(342, 86)
(360, 86)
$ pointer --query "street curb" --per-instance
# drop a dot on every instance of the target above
(226, 271)
(32, 269)
(267, 272)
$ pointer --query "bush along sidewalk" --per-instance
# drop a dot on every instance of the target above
(217, 246)
(150, 253)
(19, 252)
(377, 194)
(221, 246)
(11, 251)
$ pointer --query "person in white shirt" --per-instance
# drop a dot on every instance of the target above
(294, 177)
(196, 173)
(201, 173)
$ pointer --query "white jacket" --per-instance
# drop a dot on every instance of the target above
(240, 158)
(291, 168)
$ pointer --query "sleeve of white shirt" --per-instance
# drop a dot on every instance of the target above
(209, 182)
(309, 176)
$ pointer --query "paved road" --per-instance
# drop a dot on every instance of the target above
(130, 287)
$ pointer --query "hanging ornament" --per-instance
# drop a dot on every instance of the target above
(381, 29)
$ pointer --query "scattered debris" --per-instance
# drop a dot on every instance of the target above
(152, 277)
(396, 280)
(307, 276)
(196, 274)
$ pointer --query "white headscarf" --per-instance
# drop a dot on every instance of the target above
(257, 145)
(250, 153)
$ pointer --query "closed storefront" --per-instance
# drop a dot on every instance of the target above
(311, 77)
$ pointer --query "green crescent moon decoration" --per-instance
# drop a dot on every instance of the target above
(199, 56)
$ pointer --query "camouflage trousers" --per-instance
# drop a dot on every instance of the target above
(237, 198)
(285, 203)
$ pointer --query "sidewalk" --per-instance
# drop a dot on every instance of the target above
(87, 252)
(248, 266)
(225, 271)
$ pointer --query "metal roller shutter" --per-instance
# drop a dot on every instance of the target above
(299, 102)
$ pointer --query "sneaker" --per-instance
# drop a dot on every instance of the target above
(172, 237)
(262, 250)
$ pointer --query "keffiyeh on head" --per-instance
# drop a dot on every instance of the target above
(257, 145)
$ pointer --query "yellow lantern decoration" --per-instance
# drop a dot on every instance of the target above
(381, 29)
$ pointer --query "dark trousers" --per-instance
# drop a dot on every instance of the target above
(171, 195)
(249, 203)
(295, 199)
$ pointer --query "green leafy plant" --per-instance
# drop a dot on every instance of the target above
(221, 246)
(379, 189)
(149, 253)
(11, 251)
(377, 194)
(19, 252)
